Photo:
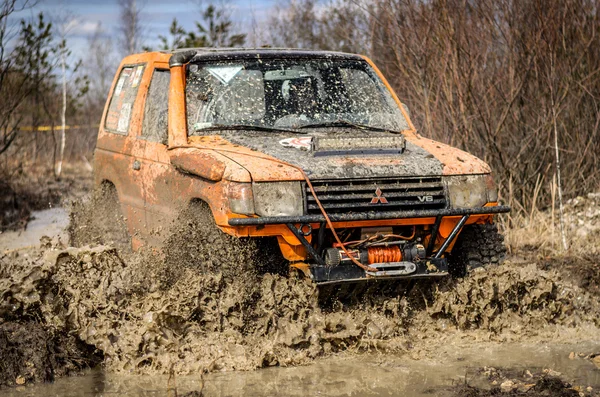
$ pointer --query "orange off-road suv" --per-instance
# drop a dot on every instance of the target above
(233, 152)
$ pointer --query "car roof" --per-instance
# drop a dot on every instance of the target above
(245, 53)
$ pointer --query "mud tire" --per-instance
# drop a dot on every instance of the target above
(100, 221)
(196, 242)
(477, 246)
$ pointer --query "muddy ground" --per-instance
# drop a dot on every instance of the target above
(63, 309)
(36, 188)
(520, 382)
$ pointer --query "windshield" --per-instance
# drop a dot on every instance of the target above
(288, 94)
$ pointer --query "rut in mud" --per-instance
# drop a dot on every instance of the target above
(514, 382)
(145, 318)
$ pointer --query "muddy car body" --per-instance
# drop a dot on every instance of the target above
(311, 149)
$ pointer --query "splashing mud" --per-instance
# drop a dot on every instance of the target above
(516, 297)
(145, 317)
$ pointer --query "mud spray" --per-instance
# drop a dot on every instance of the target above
(199, 322)
(138, 314)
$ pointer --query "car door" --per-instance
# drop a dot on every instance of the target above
(119, 149)
(161, 201)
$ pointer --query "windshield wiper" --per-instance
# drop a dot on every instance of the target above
(346, 123)
(250, 127)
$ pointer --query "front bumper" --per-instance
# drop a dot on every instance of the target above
(369, 216)
(433, 265)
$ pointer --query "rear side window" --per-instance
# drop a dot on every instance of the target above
(154, 128)
(123, 99)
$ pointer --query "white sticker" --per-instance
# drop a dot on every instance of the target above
(124, 117)
(303, 142)
(224, 73)
(119, 86)
(137, 75)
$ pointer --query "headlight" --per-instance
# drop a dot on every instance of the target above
(468, 191)
(278, 198)
(240, 198)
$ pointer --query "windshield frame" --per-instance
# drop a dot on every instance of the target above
(388, 95)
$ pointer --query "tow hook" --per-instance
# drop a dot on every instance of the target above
(392, 269)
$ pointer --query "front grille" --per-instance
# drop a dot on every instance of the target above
(401, 194)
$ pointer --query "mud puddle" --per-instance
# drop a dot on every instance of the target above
(365, 375)
(51, 222)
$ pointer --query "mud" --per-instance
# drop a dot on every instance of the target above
(541, 243)
(201, 322)
(521, 382)
(23, 190)
(365, 374)
(50, 222)
(98, 219)
(13, 210)
(583, 270)
(146, 315)
(32, 353)
(514, 297)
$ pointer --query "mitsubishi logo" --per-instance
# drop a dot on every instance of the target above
(378, 197)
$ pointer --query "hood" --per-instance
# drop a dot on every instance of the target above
(267, 156)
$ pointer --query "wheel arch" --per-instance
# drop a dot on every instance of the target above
(196, 200)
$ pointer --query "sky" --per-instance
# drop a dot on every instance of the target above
(156, 17)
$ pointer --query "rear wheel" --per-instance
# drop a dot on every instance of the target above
(100, 221)
(476, 246)
(197, 242)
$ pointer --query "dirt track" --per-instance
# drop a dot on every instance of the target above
(143, 318)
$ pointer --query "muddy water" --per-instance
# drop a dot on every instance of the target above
(365, 375)
(51, 222)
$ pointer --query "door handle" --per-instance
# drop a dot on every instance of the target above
(136, 165)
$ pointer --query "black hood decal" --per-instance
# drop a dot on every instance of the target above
(414, 161)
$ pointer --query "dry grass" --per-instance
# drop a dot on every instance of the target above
(538, 230)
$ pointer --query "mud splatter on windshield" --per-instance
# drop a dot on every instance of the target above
(288, 93)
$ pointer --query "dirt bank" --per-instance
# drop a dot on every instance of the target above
(31, 352)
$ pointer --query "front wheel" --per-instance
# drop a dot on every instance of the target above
(476, 246)
(197, 242)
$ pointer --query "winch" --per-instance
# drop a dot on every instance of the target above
(376, 254)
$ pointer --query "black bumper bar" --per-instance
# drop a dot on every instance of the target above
(369, 216)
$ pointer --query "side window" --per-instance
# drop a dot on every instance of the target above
(154, 128)
(123, 99)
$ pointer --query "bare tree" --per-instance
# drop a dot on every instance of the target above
(339, 25)
(65, 24)
(100, 64)
(131, 26)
